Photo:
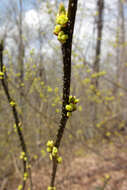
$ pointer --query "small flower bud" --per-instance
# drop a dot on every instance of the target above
(25, 176)
(12, 103)
(54, 151)
(50, 143)
(1, 75)
(20, 187)
(50, 156)
(49, 149)
(59, 159)
(57, 29)
(62, 20)
(76, 101)
(62, 9)
(69, 107)
(69, 114)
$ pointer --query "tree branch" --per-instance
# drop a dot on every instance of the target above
(14, 111)
(66, 52)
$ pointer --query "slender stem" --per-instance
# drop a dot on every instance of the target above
(14, 111)
(66, 52)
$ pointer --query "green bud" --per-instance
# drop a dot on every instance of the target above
(61, 33)
(69, 107)
(62, 37)
(62, 9)
(49, 149)
(50, 143)
(59, 159)
(50, 156)
(71, 99)
(25, 176)
(51, 188)
(62, 20)
(76, 101)
(74, 107)
(69, 114)
(20, 187)
(54, 151)
(57, 29)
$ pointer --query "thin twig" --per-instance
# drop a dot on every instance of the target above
(66, 52)
(15, 115)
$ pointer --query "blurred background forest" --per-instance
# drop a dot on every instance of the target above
(98, 129)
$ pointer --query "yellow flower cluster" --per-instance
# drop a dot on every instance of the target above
(108, 134)
(28, 166)
(1, 75)
(111, 98)
(20, 187)
(62, 37)
(51, 188)
(95, 75)
(25, 176)
(86, 80)
(53, 151)
(23, 156)
(72, 105)
(4, 68)
(12, 103)
(107, 176)
(61, 21)
(19, 125)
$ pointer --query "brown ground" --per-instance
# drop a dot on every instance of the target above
(85, 172)
(89, 172)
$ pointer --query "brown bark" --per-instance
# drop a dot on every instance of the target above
(96, 64)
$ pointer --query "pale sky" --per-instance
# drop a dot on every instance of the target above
(84, 23)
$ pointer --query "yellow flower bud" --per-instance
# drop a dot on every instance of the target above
(76, 101)
(22, 155)
(50, 156)
(62, 20)
(49, 149)
(62, 9)
(69, 114)
(50, 143)
(1, 75)
(25, 176)
(69, 107)
(59, 159)
(25, 158)
(57, 29)
(54, 151)
(70, 97)
(51, 188)
(73, 106)
(12, 103)
(62, 37)
(20, 187)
